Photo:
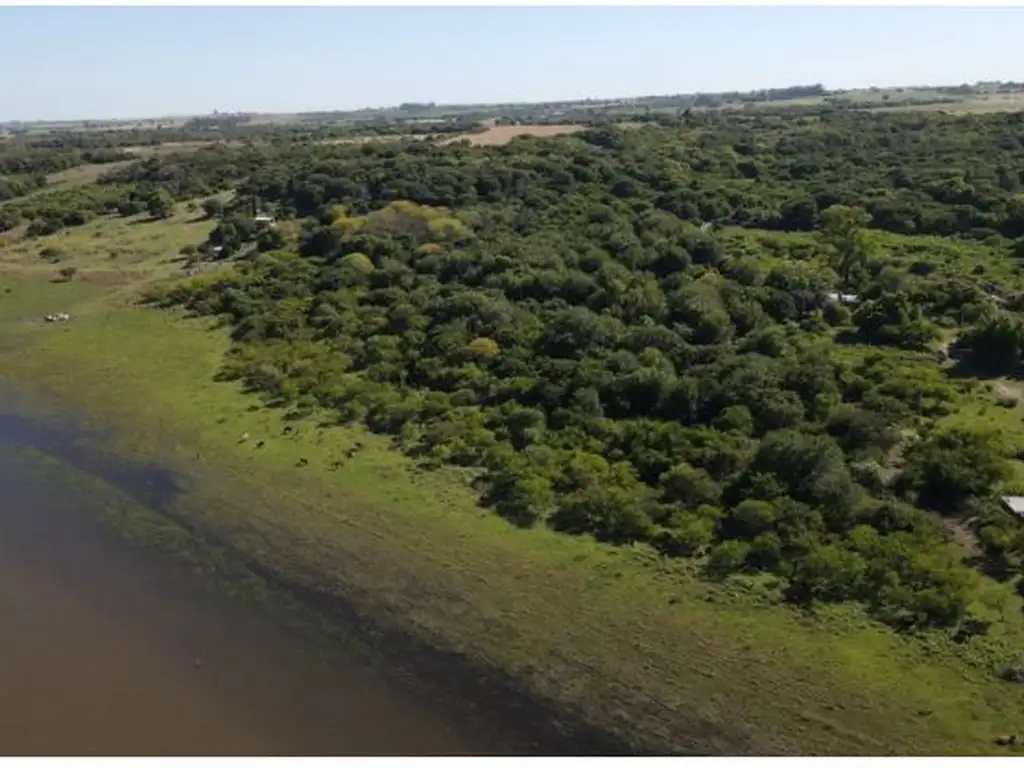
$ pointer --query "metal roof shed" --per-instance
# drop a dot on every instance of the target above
(1014, 504)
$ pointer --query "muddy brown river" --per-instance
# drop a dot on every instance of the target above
(107, 648)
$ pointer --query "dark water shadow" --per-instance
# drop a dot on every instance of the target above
(470, 689)
(61, 433)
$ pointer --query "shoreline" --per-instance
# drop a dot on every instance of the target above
(613, 636)
(465, 686)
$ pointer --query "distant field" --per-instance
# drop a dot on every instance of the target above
(981, 98)
(1002, 102)
(167, 149)
(495, 135)
(368, 138)
(83, 174)
(889, 100)
(502, 134)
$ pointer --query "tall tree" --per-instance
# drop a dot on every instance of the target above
(844, 231)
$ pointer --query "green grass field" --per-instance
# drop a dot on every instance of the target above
(640, 645)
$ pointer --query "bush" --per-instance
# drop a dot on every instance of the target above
(213, 208)
(948, 468)
(727, 557)
(521, 498)
(51, 254)
(610, 514)
(690, 487)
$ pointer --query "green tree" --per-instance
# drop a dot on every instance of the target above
(727, 557)
(610, 513)
(949, 467)
(809, 468)
(749, 519)
(828, 573)
(160, 204)
(522, 497)
(996, 343)
(843, 229)
(689, 486)
(213, 208)
(735, 418)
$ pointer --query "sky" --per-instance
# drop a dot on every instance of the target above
(121, 62)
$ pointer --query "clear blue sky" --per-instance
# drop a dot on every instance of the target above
(79, 62)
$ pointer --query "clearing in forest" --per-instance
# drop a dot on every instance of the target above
(502, 134)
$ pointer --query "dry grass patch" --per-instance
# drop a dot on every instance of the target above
(83, 174)
(169, 148)
(502, 134)
(1001, 102)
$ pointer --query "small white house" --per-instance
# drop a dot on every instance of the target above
(1014, 504)
(843, 298)
(264, 218)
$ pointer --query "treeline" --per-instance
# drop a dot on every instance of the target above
(15, 159)
(223, 129)
(47, 212)
(913, 173)
(24, 166)
(153, 184)
(18, 186)
(751, 97)
(115, 138)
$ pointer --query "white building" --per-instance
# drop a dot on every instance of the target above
(1014, 504)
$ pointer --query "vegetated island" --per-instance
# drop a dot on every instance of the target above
(696, 422)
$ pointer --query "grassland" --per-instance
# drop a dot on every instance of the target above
(981, 104)
(978, 101)
(492, 136)
(496, 135)
(168, 148)
(638, 645)
(82, 174)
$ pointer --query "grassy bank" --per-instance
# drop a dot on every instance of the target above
(639, 645)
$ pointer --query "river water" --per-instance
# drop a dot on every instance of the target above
(107, 648)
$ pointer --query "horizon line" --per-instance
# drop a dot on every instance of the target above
(498, 104)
